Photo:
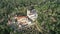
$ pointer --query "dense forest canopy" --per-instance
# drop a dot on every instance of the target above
(48, 14)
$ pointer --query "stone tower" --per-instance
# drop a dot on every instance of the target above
(31, 13)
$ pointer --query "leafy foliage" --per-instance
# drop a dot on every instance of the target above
(48, 14)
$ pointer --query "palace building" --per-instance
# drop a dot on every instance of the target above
(23, 21)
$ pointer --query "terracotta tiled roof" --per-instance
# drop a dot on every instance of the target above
(22, 19)
(19, 17)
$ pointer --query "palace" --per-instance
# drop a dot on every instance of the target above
(22, 21)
